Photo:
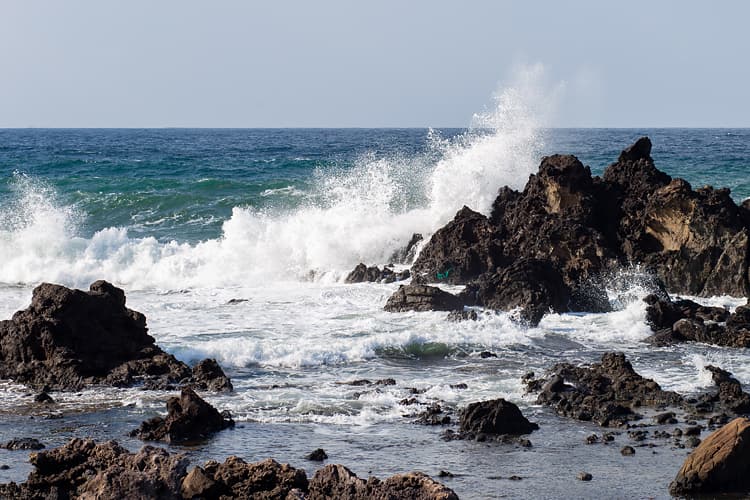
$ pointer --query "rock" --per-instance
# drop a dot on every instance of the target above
(85, 469)
(533, 286)
(189, 418)
(627, 451)
(406, 255)
(494, 417)
(43, 397)
(460, 251)
(196, 484)
(433, 415)
(422, 298)
(465, 315)
(336, 481)
(665, 418)
(208, 376)
(318, 455)
(720, 464)
(4, 467)
(603, 392)
(729, 398)
(445, 473)
(487, 354)
(68, 339)
(363, 274)
(23, 444)
(235, 478)
(585, 476)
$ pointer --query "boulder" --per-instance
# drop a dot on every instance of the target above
(336, 481)
(235, 478)
(460, 251)
(68, 339)
(605, 392)
(208, 376)
(729, 398)
(720, 464)
(422, 298)
(189, 418)
(363, 274)
(494, 417)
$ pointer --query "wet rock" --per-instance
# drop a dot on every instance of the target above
(422, 298)
(235, 478)
(317, 456)
(460, 386)
(665, 418)
(23, 444)
(336, 481)
(604, 392)
(720, 464)
(364, 274)
(85, 469)
(445, 473)
(4, 467)
(488, 354)
(533, 286)
(43, 397)
(433, 415)
(208, 376)
(627, 451)
(68, 339)
(494, 417)
(585, 476)
(460, 251)
(406, 255)
(692, 442)
(466, 315)
(592, 439)
(729, 398)
(189, 418)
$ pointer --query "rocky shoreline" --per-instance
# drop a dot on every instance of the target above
(546, 249)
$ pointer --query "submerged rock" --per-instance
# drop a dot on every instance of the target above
(68, 339)
(605, 392)
(189, 418)
(720, 464)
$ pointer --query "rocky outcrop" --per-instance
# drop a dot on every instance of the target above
(729, 398)
(67, 339)
(364, 274)
(85, 469)
(495, 417)
(459, 252)
(687, 321)
(720, 464)
(208, 376)
(189, 418)
(534, 287)
(586, 227)
(605, 392)
(336, 481)
(422, 298)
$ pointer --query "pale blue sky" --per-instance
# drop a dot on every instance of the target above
(185, 63)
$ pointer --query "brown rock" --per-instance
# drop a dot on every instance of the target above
(422, 298)
(267, 479)
(208, 376)
(495, 417)
(720, 464)
(197, 484)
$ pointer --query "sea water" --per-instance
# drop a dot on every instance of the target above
(235, 244)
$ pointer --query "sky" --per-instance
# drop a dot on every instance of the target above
(227, 63)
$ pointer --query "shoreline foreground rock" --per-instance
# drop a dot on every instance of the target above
(576, 227)
(86, 469)
(68, 339)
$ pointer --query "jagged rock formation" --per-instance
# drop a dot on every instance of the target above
(68, 339)
(189, 418)
(422, 298)
(581, 226)
(85, 469)
(495, 417)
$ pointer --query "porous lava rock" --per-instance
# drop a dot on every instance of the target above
(189, 418)
(720, 464)
(604, 392)
(422, 298)
(68, 339)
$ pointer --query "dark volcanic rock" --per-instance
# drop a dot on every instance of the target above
(336, 481)
(208, 376)
(406, 254)
(422, 298)
(189, 418)
(460, 251)
(604, 393)
(495, 417)
(720, 464)
(363, 274)
(67, 339)
(729, 398)
(235, 478)
(318, 455)
(533, 286)
(83, 468)
(23, 444)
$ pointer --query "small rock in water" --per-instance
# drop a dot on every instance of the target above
(23, 444)
(666, 418)
(592, 439)
(43, 397)
(692, 442)
(4, 467)
(693, 431)
(459, 386)
(236, 301)
(487, 354)
(515, 478)
(585, 476)
(445, 473)
(318, 455)
(627, 451)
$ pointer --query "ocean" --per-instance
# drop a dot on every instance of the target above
(235, 244)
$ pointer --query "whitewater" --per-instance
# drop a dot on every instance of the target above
(235, 245)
